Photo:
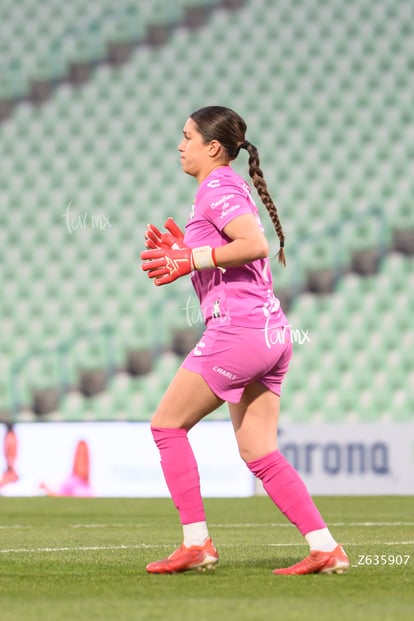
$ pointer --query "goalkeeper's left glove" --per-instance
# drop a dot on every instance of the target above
(154, 238)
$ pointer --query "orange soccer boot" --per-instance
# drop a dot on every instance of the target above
(335, 562)
(185, 559)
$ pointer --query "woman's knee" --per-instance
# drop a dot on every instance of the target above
(249, 453)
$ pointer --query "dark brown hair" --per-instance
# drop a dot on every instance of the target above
(226, 126)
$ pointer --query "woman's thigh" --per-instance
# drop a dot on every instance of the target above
(186, 401)
(255, 421)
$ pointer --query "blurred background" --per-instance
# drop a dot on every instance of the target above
(93, 98)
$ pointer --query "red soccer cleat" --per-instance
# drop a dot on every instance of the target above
(335, 562)
(185, 559)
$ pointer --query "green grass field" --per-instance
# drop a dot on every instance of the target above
(84, 559)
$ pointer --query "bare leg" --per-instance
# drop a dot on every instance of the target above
(186, 401)
(255, 420)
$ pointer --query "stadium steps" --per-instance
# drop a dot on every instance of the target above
(55, 43)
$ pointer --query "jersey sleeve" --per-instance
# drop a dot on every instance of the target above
(220, 208)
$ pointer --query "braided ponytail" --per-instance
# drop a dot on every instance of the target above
(260, 184)
(226, 126)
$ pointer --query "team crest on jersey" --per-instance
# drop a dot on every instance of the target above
(216, 313)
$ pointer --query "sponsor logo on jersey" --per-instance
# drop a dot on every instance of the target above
(214, 183)
(198, 349)
(223, 200)
(225, 204)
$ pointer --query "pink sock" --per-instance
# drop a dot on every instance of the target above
(180, 472)
(287, 490)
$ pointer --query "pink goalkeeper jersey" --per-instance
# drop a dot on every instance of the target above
(239, 296)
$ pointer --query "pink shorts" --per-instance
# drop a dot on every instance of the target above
(231, 357)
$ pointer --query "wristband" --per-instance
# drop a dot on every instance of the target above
(203, 258)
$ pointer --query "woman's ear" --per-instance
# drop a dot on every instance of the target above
(214, 148)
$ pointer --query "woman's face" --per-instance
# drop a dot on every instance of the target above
(195, 156)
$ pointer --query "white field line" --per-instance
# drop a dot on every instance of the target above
(240, 525)
(330, 524)
(78, 548)
(157, 546)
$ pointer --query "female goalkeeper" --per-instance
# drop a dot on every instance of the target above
(239, 358)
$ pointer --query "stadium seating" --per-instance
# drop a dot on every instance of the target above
(40, 42)
(357, 364)
(326, 91)
(352, 358)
